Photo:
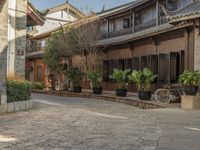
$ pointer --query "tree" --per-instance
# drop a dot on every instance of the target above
(75, 42)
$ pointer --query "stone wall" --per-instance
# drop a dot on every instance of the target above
(13, 42)
(3, 50)
(21, 19)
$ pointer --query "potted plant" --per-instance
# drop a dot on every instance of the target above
(95, 79)
(143, 80)
(75, 76)
(190, 80)
(121, 77)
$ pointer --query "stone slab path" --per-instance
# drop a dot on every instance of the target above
(88, 124)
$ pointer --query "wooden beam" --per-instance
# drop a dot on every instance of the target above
(133, 22)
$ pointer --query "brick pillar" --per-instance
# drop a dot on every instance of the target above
(196, 49)
(3, 51)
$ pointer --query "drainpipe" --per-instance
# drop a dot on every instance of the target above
(11, 38)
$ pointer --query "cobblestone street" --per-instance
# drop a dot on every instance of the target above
(82, 124)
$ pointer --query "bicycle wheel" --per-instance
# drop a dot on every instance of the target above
(162, 96)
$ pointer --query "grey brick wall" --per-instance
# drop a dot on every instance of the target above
(21, 21)
(3, 50)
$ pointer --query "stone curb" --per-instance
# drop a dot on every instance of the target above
(136, 103)
(16, 106)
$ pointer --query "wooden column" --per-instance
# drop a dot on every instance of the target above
(133, 22)
(157, 13)
(107, 28)
(186, 41)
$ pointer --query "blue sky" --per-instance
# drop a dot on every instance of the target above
(95, 5)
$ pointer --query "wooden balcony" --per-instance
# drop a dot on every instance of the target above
(146, 25)
(120, 33)
(163, 20)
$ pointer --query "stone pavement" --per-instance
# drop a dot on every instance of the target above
(88, 124)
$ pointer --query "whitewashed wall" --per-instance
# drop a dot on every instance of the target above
(52, 24)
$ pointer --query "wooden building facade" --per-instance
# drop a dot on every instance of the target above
(159, 34)
(163, 35)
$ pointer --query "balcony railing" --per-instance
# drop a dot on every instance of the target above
(121, 32)
(146, 25)
(162, 20)
(137, 28)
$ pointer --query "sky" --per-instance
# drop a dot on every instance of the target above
(83, 5)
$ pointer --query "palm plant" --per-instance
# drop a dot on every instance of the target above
(143, 79)
(148, 78)
(95, 78)
(121, 77)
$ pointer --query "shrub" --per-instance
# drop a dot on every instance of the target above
(37, 85)
(18, 90)
(190, 78)
(75, 76)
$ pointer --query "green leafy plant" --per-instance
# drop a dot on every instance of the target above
(37, 85)
(143, 79)
(121, 77)
(95, 77)
(75, 76)
(18, 90)
(190, 78)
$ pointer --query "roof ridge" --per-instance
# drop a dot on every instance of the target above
(65, 4)
(122, 5)
(188, 6)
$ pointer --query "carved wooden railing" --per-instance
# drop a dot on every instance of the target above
(121, 32)
(146, 25)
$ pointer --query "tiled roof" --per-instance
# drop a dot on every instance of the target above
(137, 35)
(121, 8)
(190, 10)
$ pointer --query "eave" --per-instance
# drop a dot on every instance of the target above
(34, 17)
(184, 18)
(141, 35)
(2, 2)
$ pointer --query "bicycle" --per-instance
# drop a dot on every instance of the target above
(169, 93)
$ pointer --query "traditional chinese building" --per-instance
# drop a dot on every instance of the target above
(163, 35)
(15, 17)
(55, 18)
(160, 34)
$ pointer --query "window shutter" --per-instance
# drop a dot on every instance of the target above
(121, 64)
(128, 64)
(105, 70)
(163, 68)
(112, 66)
(136, 63)
(174, 67)
(143, 62)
